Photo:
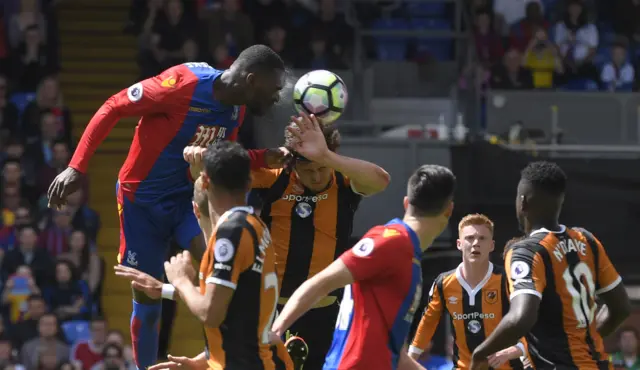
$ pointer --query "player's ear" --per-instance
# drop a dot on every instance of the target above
(405, 203)
(250, 79)
(196, 210)
(493, 245)
(205, 181)
(459, 244)
(449, 210)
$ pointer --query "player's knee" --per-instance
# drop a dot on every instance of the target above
(142, 298)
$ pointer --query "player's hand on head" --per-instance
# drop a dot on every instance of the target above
(310, 141)
(140, 281)
(193, 154)
(277, 157)
(180, 267)
(67, 182)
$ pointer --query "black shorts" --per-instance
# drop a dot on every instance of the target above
(316, 328)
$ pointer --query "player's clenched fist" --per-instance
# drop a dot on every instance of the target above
(193, 155)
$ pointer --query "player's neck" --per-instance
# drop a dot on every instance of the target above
(219, 206)
(474, 272)
(549, 224)
(224, 91)
(427, 232)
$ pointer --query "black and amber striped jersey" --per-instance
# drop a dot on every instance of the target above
(474, 312)
(567, 269)
(240, 256)
(310, 230)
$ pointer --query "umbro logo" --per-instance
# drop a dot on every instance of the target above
(453, 300)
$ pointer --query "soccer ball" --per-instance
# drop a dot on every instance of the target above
(321, 93)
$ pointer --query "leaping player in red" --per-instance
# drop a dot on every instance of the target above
(191, 104)
(382, 280)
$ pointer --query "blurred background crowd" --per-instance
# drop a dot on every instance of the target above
(51, 263)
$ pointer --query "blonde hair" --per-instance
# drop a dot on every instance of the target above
(476, 219)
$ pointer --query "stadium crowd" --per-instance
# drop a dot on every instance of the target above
(50, 271)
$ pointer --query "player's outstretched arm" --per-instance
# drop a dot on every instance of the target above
(617, 308)
(335, 276)
(366, 178)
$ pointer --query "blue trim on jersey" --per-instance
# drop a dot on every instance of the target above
(402, 323)
(340, 335)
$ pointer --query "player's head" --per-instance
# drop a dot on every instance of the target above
(201, 206)
(540, 194)
(260, 72)
(430, 194)
(628, 340)
(475, 237)
(227, 173)
(313, 175)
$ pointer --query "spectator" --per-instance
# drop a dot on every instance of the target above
(15, 150)
(48, 358)
(4, 47)
(488, 43)
(87, 263)
(42, 141)
(11, 199)
(318, 57)
(339, 34)
(29, 254)
(47, 339)
(276, 39)
(510, 12)
(113, 359)
(522, 32)
(27, 328)
(28, 16)
(68, 296)
(230, 27)
(511, 75)
(172, 28)
(542, 58)
(82, 216)
(263, 13)
(55, 237)
(6, 352)
(9, 232)
(31, 61)
(116, 337)
(89, 352)
(221, 57)
(19, 287)
(48, 98)
(9, 113)
(577, 40)
(12, 178)
(627, 358)
(618, 74)
(191, 51)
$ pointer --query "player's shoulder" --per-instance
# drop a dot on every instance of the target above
(447, 278)
(237, 219)
(529, 245)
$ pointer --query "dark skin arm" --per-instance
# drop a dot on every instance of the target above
(514, 325)
(617, 308)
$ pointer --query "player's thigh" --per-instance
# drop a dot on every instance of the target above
(144, 243)
(316, 328)
(187, 231)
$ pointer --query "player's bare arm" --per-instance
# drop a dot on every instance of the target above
(198, 362)
(522, 314)
(335, 276)
(210, 308)
(405, 362)
(141, 281)
(367, 178)
(617, 308)
(512, 353)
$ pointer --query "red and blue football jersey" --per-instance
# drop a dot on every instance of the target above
(178, 108)
(377, 310)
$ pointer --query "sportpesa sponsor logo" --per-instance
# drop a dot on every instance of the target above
(473, 316)
(305, 198)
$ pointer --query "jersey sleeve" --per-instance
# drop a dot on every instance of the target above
(264, 178)
(525, 272)
(233, 253)
(375, 256)
(608, 277)
(430, 320)
(147, 97)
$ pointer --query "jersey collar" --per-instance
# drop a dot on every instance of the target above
(544, 230)
(225, 215)
(473, 291)
(415, 241)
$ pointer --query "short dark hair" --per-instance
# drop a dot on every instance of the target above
(330, 132)
(112, 346)
(430, 188)
(10, 161)
(227, 164)
(259, 58)
(546, 177)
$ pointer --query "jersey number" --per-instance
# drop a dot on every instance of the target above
(207, 135)
(583, 309)
(270, 282)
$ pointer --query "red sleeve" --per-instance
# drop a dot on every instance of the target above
(374, 256)
(140, 99)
